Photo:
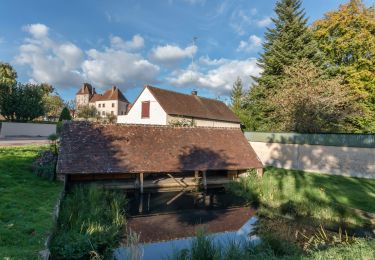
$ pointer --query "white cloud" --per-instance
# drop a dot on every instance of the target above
(266, 21)
(118, 67)
(170, 54)
(205, 60)
(136, 42)
(65, 64)
(252, 44)
(219, 79)
(37, 30)
(50, 61)
(194, 2)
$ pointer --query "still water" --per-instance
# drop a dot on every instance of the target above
(165, 202)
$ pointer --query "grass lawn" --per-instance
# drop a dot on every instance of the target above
(316, 196)
(26, 204)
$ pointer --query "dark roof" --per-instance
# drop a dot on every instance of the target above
(118, 148)
(179, 104)
(113, 93)
(86, 88)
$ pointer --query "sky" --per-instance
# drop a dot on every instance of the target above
(174, 44)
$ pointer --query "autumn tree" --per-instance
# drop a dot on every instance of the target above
(286, 42)
(7, 74)
(347, 39)
(310, 101)
(87, 112)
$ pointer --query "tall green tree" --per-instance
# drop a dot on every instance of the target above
(287, 41)
(65, 114)
(21, 102)
(236, 96)
(347, 38)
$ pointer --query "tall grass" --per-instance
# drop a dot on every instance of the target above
(89, 224)
(319, 197)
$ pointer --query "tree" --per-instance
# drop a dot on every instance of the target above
(236, 96)
(347, 39)
(311, 102)
(65, 114)
(21, 102)
(111, 118)
(87, 112)
(53, 105)
(287, 42)
(7, 74)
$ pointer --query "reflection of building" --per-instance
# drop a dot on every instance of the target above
(111, 102)
(164, 107)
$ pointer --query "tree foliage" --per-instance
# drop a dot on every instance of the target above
(288, 41)
(65, 114)
(236, 96)
(21, 102)
(310, 101)
(7, 74)
(347, 39)
(87, 112)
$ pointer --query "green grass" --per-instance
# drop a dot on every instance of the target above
(316, 196)
(89, 225)
(26, 204)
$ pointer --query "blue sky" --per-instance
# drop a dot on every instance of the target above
(133, 43)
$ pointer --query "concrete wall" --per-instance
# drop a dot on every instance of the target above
(338, 160)
(157, 114)
(27, 129)
(202, 122)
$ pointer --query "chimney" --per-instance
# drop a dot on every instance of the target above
(194, 93)
(113, 88)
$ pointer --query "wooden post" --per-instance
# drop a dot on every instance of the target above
(260, 172)
(196, 177)
(141, 182)
(204, 180)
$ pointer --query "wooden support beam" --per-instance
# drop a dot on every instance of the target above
(176, 197)
(196, 177)
(180, 183)
(260, 172)
(141, 182)
(204, 180)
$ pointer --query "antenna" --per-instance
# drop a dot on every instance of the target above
(195, 38)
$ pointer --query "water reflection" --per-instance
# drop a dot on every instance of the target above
(165, 202)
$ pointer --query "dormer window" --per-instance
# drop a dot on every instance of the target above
(145, 109)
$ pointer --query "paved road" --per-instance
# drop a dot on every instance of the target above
(20, 141)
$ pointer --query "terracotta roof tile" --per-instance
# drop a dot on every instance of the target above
(179, 104)
(95, 148)
(113, 94)
(95, 98)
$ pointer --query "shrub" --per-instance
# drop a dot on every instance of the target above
(90, 223)
(65, 114)
(45, 165)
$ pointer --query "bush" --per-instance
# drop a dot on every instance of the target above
(45, 165)
(65, 114)
(90, 223)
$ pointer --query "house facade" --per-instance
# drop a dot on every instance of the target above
(111, 102)
(163, 107)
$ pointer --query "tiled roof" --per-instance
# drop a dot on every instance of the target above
(179, 104)
(95, 97)
(96, 148)
(86, 88)
(113, 94)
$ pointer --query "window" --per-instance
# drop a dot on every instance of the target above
(113, 104)
(111, 112)
(99, 105)
(145, 109)
(103, 113)
(103, 104)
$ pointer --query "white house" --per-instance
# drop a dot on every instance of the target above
(111, 102)
(164, 107)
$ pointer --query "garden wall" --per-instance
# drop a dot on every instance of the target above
(10, 129)
(342, 158)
